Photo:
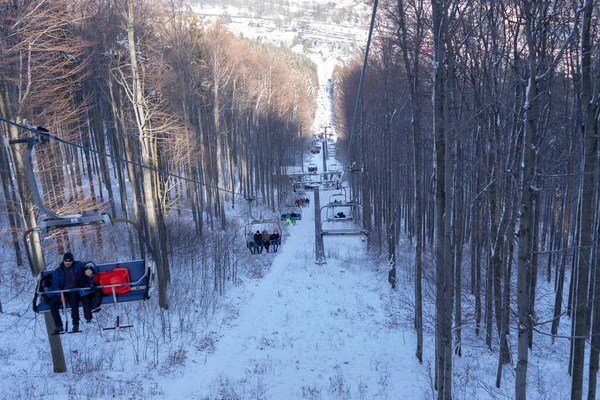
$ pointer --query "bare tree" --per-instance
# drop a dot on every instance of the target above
(589, 115)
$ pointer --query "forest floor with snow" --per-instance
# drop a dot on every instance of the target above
(286, 329)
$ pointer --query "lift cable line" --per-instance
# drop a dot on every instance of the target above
(362, 72)
(44, 136)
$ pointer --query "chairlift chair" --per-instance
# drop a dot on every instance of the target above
(340, 197)
(268, 225)
(141, 271)
(344, 232)
(357, 228)
(341, 211)
(328, 185)
(291, 211)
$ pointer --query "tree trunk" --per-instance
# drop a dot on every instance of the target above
(146, 138)
(11, 204)
(589, 118)
(412, 68)
(36, 257)
(443, 211)
(589, 92)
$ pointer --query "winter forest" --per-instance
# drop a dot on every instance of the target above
(475, 138)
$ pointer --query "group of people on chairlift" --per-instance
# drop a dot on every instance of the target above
(260, 240)
(302, 202)
(79, 279)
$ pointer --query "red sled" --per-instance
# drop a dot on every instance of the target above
(115, 277)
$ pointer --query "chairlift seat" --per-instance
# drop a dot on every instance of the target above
(140, 272)
(342, 219)
(297, 216)
(345, 232)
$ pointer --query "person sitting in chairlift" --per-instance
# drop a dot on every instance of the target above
(275, 239)
(250, 242)
(340, 215)
(90, 296)
(258, 240)
(266, 240)
(68, 276)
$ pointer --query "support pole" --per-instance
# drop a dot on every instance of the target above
(324, 152)
(319, 247)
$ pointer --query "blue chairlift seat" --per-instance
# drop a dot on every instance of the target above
(297, 216)
(140, 272)
(340, 219)
(345, 232)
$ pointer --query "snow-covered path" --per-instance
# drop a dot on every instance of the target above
(306, 330)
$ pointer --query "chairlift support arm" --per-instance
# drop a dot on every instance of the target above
(41, 138)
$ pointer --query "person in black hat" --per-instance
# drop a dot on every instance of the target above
(68, 276)
(258, 241)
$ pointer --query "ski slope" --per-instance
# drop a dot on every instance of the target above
(307, 330)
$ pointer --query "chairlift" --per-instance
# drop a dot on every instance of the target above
(254, 226)
(328, 185)
(134, 286)
(140, 272)
(291, 212)
(353, 216)
(338, 197)
(311, 178)
(344, 232)
(341, 211)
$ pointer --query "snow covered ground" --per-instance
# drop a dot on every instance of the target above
(306, 331)
(294, 330)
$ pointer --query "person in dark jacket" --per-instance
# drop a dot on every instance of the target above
(266, 240)
(258, 239)
(91, 298)
(66, 277)
(250, 242)
(275, 239)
